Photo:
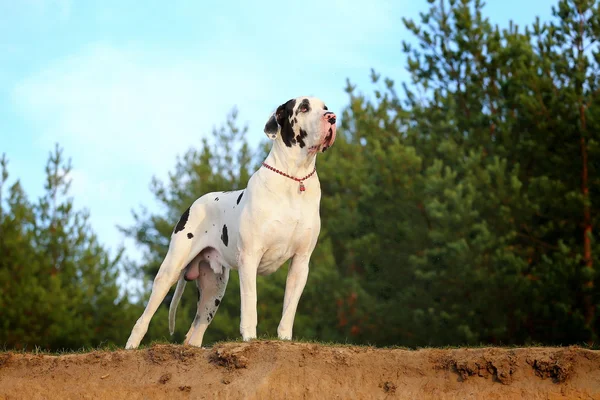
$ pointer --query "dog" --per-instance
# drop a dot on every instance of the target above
(254, 230)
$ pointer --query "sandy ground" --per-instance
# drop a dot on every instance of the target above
(284, 370)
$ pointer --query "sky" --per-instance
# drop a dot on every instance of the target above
(125, 86)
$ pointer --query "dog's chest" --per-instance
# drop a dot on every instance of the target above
(285, 238)
(286, 229)
(277, 221)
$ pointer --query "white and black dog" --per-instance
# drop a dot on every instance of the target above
(254, 230)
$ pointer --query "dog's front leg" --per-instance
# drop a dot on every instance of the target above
(294, 285)
(247, 271)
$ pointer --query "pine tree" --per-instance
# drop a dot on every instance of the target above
(58, 283)
(469, 214)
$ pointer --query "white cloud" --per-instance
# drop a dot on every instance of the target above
(119, 106)
(86, 189)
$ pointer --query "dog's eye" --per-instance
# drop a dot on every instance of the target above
(325, 108)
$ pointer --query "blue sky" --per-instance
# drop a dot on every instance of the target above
(125, 86)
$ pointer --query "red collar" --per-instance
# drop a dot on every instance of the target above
(302, 188)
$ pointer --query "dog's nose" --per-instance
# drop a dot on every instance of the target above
(329, 117)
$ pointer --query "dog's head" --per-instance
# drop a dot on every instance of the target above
(303, 122)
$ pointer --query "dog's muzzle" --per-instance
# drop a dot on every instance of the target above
(329, 128)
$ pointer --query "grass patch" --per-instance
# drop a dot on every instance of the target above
(110, 347)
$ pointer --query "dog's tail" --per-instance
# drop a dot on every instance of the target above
(175, 301)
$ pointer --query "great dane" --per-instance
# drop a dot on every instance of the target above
(254, 230)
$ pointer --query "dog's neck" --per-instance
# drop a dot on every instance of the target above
(294, 161)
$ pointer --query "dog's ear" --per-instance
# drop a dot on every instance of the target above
(272, 127)
(282, 112)
(277, 119)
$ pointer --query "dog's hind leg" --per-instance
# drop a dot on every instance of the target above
(211, 287)
(190, 272)
(178, 256)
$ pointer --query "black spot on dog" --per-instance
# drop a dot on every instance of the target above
(304, 105)
(300, 138)
(182, 221)
(290, 140)
(190, 235)
(240, 197)
(283, 114)
(205, 231)
(224, 236)
(216, 199)
(217, 302)
(296, 120)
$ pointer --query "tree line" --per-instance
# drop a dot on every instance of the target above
(458, 208)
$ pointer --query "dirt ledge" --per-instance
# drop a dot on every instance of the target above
(278, 370)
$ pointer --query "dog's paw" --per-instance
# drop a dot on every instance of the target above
(246, 337)
(248, 333)
(130, 345)
(284, 335)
